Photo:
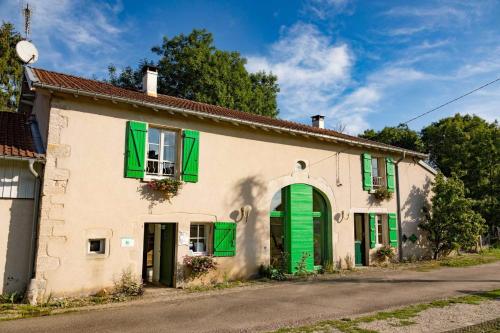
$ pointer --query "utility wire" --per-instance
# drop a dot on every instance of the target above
(451, 101)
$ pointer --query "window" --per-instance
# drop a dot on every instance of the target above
(377, 172)
(96, 246)
(162, 152)
(378, 219)
(198, 239)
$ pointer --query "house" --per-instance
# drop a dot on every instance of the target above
(253, 188)
(19, 186)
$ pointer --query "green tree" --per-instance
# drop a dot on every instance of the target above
(451, 222)
(399, 136)
(11, 68)
(469, 147)
(191, 67)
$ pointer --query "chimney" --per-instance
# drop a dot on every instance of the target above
(150, 80)
(318, 121)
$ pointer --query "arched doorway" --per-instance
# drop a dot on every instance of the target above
(300, 228)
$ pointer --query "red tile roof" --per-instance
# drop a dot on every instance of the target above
(15, 136)
(49, 79)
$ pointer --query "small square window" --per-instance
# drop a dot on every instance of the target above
(96, 246)
(198, 239)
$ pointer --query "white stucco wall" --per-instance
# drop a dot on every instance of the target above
(16, 220)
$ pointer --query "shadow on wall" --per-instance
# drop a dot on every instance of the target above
(251, 232)
(414, 241)
(18, 247)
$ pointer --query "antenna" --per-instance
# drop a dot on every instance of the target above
(27, 12)
(25, 50)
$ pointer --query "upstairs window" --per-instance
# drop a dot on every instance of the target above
(162, 152)
(378, 170)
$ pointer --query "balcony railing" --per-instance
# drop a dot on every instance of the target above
(158, 168)
(378, 182)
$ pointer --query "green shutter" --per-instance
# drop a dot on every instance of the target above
(389, 168)
(136, 149)
(224, 239)
(393, 230)
(373, 231)
(367, 172)
(190, 154)
(299, 225)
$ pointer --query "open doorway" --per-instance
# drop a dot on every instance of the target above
(359, 240)
(159, 253)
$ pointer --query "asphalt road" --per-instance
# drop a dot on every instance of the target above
(263, 309)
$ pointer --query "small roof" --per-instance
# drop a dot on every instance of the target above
(16, 139)
(80, 86)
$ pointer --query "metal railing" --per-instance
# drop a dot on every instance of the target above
(163, 168)
(378, 182)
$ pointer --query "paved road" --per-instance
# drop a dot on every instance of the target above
(270, 307)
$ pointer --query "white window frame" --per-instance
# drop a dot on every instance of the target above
(380, 173)
(379, 222)
(198, 237)
(161, 159)
(102, 245)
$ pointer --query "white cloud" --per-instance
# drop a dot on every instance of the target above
(69, 32)
(312, 70)
(323, 9)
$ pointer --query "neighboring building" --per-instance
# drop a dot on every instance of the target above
(253, 187)
(18, 199)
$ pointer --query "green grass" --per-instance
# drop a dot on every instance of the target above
(11, 310)
(220, 286)
(399, 317)
(465, 260)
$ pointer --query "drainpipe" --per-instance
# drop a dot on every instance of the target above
(398, 204)
(34, 226)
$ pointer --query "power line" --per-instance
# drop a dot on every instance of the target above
(451, 101)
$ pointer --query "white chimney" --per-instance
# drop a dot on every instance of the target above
(150, 80)
(318, 121)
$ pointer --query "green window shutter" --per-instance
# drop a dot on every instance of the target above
(367, 172)
(373, 231)
(190, 154)
(299, 225)
(136, 149)
(393, 230)
(224, 239)
(390, 172)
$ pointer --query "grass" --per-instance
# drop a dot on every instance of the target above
(464, 260)
(399, 317)
(220, 286)
(10, 311)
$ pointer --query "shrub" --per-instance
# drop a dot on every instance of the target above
(199, 265)
(277, 270)
(384, 253)
(128, 285)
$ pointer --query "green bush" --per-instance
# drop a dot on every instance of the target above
(384, 253)
(128, 285)
(199, 265)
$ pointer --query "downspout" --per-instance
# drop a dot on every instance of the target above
(34, 226)
(398, 205)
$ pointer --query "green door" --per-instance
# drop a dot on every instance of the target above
(167, 255)
(359, 237)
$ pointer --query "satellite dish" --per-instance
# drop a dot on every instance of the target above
(27, 52)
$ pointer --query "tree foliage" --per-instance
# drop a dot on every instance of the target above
(11, 68)
(451, 222)
(399, 136)
(191, 67)
(469, 147)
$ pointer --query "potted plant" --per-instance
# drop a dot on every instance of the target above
(168, 186)
(382, 193)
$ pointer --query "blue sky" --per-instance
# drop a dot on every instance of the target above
(363, 64)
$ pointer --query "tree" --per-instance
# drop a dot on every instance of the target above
(11, 68)
(469, 147)
(399, 136)
(451, 222)
(191, 67)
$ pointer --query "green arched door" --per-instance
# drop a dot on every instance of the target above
(300, 228)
